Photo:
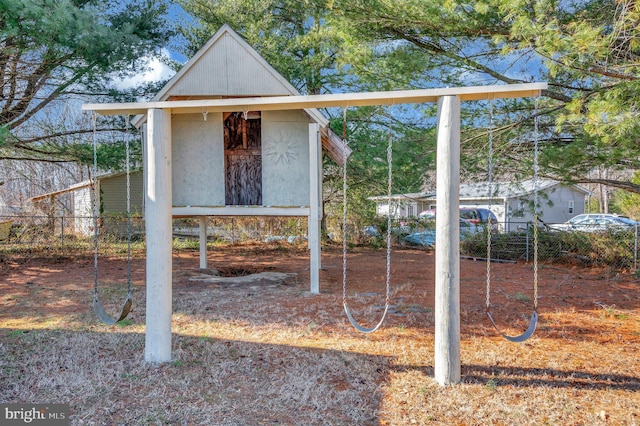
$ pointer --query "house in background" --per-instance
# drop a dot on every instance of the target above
(511, 202)
(112, 199)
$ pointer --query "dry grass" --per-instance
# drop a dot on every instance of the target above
(270, 353)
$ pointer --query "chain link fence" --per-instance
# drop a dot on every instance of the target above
(63, 231)
(616, 249)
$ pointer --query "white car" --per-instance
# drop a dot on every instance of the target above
(596, 222)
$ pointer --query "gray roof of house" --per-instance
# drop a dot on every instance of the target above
(480, 190)
(503, 189)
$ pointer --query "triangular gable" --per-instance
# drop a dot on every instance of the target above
(226, 66)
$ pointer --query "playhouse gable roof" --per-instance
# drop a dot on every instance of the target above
(226, 66)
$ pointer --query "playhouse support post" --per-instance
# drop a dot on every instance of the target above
(314, 207)
(447, 257)
(159, 235)
(203, 242)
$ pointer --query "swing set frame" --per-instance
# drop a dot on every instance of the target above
(158, 209)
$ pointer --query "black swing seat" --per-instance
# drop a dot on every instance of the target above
(105, 317)
(524, 336)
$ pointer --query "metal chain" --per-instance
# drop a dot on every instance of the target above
(128, 169)
(490, 194)
(536, 169)
(344, 205)
(344, 227)
(389, 184)
(94, 117)
(96, 194)
(535, 262)
(534, 317)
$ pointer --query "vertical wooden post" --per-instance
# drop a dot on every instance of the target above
(159, 235)
(447, 285)
(203, 242)
(314, 207)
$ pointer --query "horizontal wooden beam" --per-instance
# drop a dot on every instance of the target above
(189, 211)
(274, 103)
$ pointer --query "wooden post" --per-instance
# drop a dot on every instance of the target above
(159, 235)
(314, 208)
(447, 285)
(203, 242)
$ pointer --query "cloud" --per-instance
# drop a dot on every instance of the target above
(153, 70)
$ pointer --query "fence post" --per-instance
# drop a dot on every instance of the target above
(635, 251)
(527, 242)
(62, 231)
(233, 231)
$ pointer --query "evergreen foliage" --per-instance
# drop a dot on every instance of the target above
(53, 53)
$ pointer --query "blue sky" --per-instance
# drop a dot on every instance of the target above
(157, 70)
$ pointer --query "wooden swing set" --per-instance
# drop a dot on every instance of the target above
(158, 205)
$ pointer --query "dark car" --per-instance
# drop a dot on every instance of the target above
(428, 236)
(477, 216)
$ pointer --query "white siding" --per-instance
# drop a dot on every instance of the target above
(228, 68)
(197, 152)
(518, 214)
(83, 211)
(560, 196)
(285, 158)
(554, 206)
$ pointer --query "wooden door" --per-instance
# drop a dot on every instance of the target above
(243, 158)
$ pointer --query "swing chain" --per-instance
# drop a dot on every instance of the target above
(389, 214)
(94, 182)
(344, 205)
(535, 263)
(344, 229)
(97, 306)
(534, 317)
(489, 195)
(536, 170)
(128, 170)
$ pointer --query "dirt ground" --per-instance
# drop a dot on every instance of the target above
(266, 351)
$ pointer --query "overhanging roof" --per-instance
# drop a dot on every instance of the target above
(275, 103)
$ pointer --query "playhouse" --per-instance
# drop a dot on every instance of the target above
(262, 151)
(229, 136)
(248, 162)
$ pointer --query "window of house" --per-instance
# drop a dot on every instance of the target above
(519, 212)
(410, 211)
(570, 210)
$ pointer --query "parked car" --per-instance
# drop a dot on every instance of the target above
(478, 216)
(427, 214)
(371, 231)
(428, 236)
(596, 222)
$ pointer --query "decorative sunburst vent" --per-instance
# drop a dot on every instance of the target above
(284, 150)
